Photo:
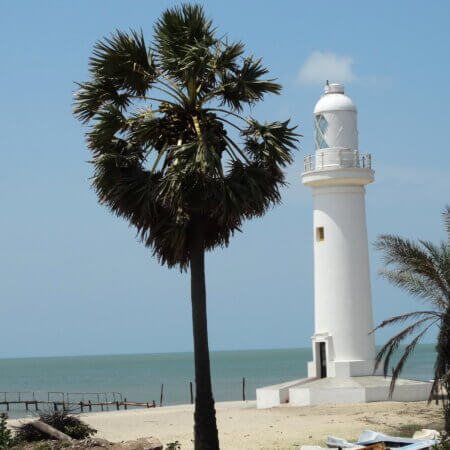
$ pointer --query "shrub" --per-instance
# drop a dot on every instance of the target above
(6, 437)
(61, 420)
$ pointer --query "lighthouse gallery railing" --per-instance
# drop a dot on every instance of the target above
(337, 159)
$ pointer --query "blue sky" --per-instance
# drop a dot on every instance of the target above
(74, 279)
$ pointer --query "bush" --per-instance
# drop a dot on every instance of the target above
(61, 420)
(6, 437)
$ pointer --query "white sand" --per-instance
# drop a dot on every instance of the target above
(243, 427)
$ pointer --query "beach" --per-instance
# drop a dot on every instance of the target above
(243, 427)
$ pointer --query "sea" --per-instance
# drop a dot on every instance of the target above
(144, 377)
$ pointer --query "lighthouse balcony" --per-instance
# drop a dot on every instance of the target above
(332, 158)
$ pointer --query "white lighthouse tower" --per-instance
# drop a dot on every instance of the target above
(338, 174)
(343, 348)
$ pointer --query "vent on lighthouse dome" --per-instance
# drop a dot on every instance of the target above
(334, 88)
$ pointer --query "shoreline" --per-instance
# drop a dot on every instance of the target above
(243, 427)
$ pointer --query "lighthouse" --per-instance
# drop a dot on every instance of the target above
(343, 347)
(337, 173)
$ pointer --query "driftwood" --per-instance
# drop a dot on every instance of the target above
(50, 431)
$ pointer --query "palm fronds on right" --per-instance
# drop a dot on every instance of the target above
(422, 269)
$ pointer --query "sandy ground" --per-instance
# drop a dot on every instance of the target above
(243, 427)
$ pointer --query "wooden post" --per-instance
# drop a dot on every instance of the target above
(90, 406)
(192, 392)
(243, 389)
(162, 395)
(81, 406)
(55, 406)
(36, 405)
(125, 403)
(7, 406)
(117, 405)
(26, 406)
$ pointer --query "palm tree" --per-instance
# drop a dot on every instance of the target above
(423, 270)
(173, 155)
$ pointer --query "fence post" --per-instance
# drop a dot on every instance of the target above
(192, 392)
(162, 395)
(243, 389)
(125, 403)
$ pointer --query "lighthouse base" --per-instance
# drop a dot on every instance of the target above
(333, 390)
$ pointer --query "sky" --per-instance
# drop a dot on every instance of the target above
(74, 280)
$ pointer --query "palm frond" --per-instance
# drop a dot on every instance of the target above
(271, 143)
(404, 317)
(226, 58)
(388, 349)
(93, 95)
(417, 286)
(109, 123)
(409, 258)
(124, 60)
(405, 356)
(246, 85)
(183, 39)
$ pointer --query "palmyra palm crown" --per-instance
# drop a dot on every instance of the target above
(161, 166)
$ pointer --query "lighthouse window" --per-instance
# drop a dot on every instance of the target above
(321, 128)
(320, 234)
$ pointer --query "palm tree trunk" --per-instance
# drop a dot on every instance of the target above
(205, 428)
(442, 368)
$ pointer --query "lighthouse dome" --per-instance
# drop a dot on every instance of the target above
(334, 99)
(335, 120)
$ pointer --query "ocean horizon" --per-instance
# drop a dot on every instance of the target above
(139, 377)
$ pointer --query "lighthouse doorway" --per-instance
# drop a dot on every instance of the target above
(322, 360)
